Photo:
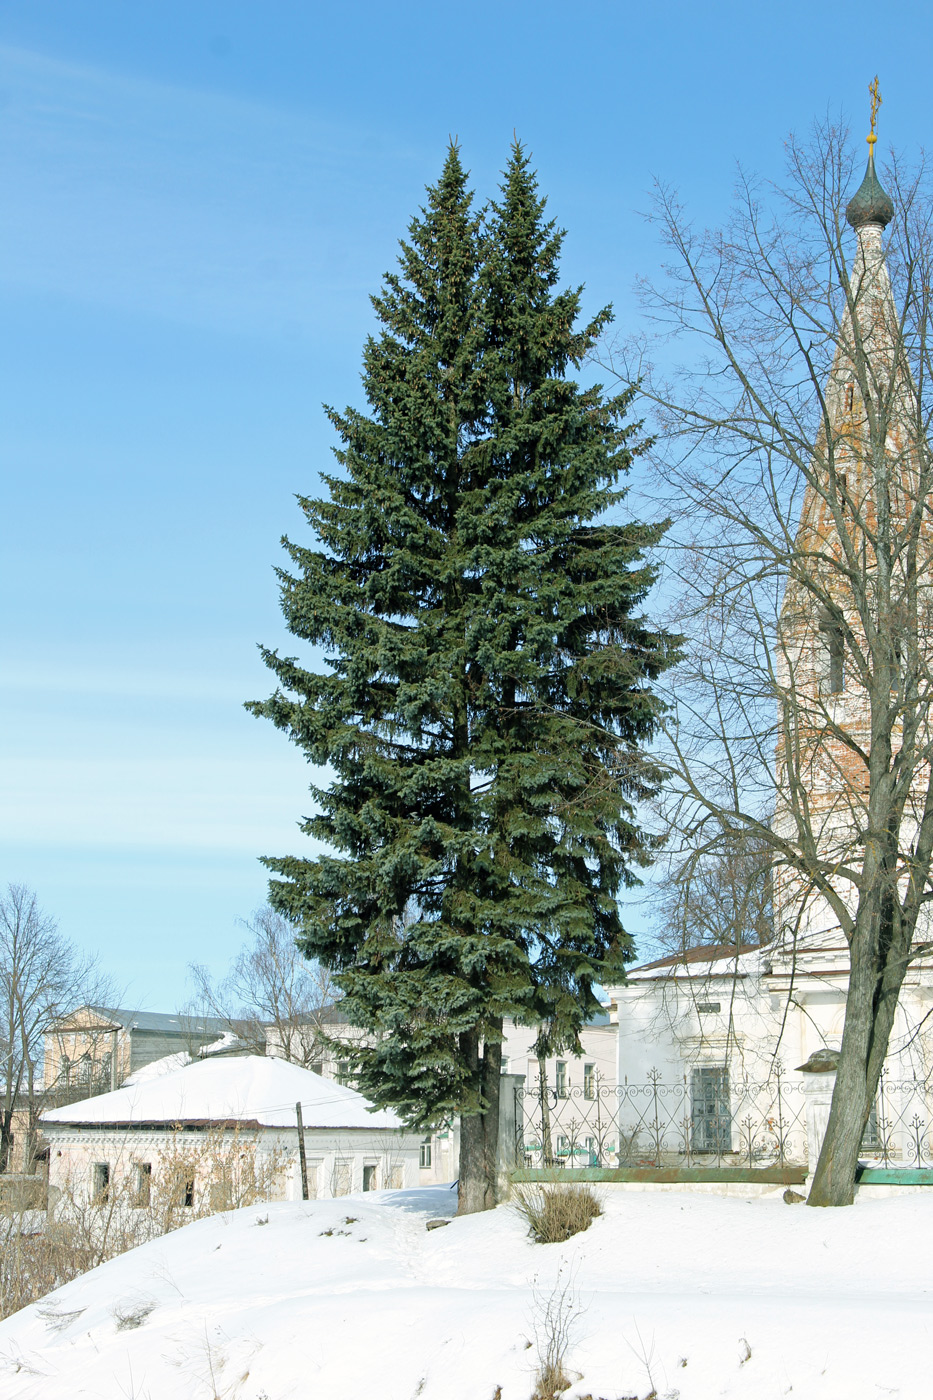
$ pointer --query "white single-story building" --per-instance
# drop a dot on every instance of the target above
(222, 1131)
(713, 1041)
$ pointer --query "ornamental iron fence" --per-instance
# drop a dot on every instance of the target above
(707, 1118)
(899, 1134)
(710, 1118)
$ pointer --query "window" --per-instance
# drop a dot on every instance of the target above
(850, 397)
(316, 1067)
(835, 650)
(342, 1072)
(589, 1081)
(142, 1187)
(708, 1007)
(592, 1157)
(710, 1115)
(100, 1182)
(85, 1069)
(183, 1192)
(220, 1192)
(342, 1176)
(871, 1141)
(369, 1178)
(424, 1156)
(563, 1147)
(561, 1078)
(66, 1070)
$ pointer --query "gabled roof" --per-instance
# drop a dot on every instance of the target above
(247, 1089)
(692, 957)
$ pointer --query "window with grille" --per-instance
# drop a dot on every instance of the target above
(710, 1114)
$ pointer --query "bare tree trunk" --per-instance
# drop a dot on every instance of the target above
(6, 1138)
(875, 978)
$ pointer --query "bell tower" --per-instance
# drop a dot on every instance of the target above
(849, 624)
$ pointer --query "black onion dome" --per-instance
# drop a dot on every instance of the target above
(870, 204)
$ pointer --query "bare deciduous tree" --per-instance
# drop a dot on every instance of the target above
(272, 993)
(41, 977)
(716, 895)
(795, 451)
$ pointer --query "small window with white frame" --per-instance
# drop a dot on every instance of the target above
(100, 1182)
(142, 1186)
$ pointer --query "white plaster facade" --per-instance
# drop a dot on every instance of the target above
(223, 1131)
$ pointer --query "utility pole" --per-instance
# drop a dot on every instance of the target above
(301, 1153)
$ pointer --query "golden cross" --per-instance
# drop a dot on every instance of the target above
(875, 104)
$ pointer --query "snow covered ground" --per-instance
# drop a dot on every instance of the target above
(691, 1295)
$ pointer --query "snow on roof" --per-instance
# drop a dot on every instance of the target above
(155, 1068)
(742, 958)
(223, 1089)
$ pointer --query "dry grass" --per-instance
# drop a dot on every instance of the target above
(554, 1213)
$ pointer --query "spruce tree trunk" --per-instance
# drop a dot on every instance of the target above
(479, 1132)
(492, 1080)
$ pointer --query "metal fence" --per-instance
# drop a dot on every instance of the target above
(707, 1119)
(900, 1127)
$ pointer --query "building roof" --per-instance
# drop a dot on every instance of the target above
(254, 1090)
(710, 953)
(168, 1023)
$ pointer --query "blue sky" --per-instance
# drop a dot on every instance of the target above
(198, 200)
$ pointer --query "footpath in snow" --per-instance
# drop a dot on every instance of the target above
(685, 1295)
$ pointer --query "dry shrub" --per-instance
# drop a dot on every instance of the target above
(554, 1213)
(33, 1262)
(554, 1319)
